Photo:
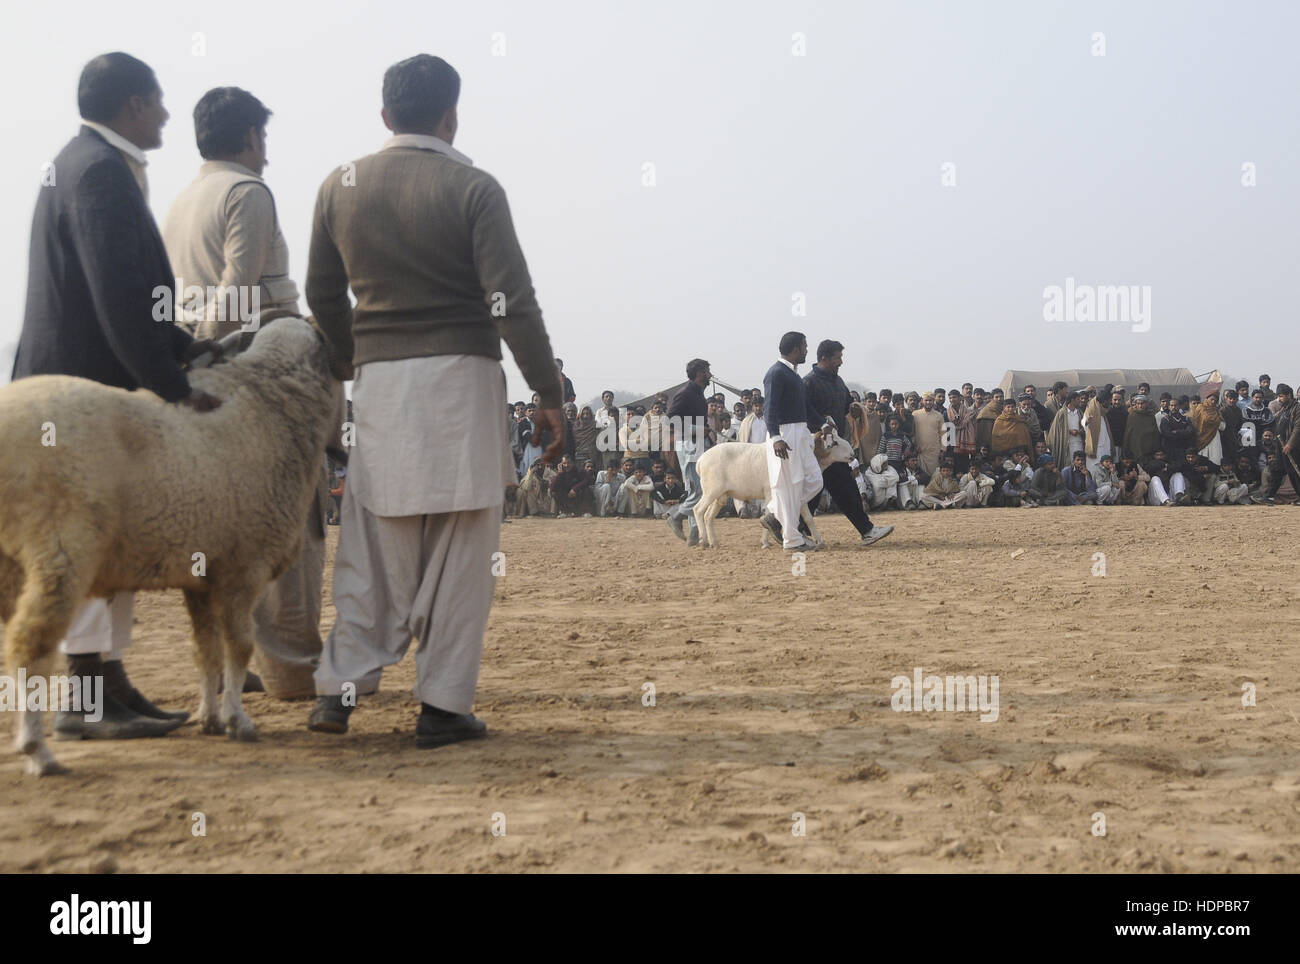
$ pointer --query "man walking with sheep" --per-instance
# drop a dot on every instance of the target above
(791, 463)
(96, 262)
(426, 243)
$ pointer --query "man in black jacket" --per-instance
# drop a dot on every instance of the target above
(829, 397)
(99, 306)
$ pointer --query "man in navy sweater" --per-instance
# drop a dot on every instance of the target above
(791, 464)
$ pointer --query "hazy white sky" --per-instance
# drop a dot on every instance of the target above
(776, 173)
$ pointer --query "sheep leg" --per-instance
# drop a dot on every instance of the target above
(704, 511)
(237, 631)
(40, 619)
(207, 656)
(812, 526)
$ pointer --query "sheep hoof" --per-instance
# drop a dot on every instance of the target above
(242, 730)
(212, 726)
(43, 764)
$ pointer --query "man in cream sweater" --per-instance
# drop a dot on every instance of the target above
(426, 243)
(232, 266)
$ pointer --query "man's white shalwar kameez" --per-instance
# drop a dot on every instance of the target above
(794, 480)
(421, 520)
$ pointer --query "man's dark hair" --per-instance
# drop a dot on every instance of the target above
(1262, 377)
(790, 341)
(108, 82)
(221, 119)
(694, 367)
(1057, 386)
(608, 392)
(828, 348)
(418, 91)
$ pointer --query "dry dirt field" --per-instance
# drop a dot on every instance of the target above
(1119, 695)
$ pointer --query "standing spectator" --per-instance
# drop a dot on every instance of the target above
(1141, 434)
(567, 386)
(424, 240)
(687, 413)
(1010, 431)
(1265, 388)
(1117, 420)
(95, 261)
(585, 434)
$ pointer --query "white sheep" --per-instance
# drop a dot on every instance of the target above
(738, 470)
(104, 490)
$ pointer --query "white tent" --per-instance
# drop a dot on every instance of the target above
(1175, 381)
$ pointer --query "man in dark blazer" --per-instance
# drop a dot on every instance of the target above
(99, 306)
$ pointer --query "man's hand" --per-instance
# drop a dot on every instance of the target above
(781, 449)
(553, 419)
(200, 401)
(200, 347)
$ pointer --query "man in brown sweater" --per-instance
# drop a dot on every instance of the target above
(426, 243)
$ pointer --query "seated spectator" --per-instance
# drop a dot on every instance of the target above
(943, 491)
(571, 488)
(609, 489)
(1078, 481)
(912, 482)
(534, 494)
(1133, 482)
(881, 479)
(667, 494)
(1047, 488)
(1106, 480)
(1230, 490)
(1017, 474)
(1200, 477)
(637, 494)
(1162, 479)
(975, 485)
(1248, 474)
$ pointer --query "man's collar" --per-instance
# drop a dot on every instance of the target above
(787, 363)
(117, 140)
(208, 167)
(426, 142)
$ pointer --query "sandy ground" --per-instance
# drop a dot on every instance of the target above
(1119, 695)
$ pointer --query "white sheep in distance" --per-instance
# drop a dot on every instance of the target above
(104, 490)
(738, 470)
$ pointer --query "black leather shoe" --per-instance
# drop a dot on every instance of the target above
(329, 715)
(117, 685)
(440, 728)
(252, 683)
(117, 722)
